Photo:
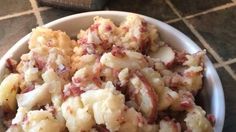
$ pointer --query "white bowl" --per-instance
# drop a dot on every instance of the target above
(212, 94)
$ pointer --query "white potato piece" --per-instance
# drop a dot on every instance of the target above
(8, 90)
(31, 74)
(166, 98)
(37, 97)
(14, 128)
(56, 84)
(106, 29)
(196, 120)
(136, 34)
(44, 37)
(21, 112)
(131, 122)
(169, 126)
(193, 78)
(107, 106)
(135, 122)
(154, 78)
(165, 54)
(77, 117)
(41, 121)
(131, 60)
(123, 76)
(195, 59)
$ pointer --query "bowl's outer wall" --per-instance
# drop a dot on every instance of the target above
(212, 94)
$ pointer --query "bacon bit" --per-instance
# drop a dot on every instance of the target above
(97, 81)
(40, 63)
(82, 41)
(143, 29)
(101, 128)
(51, 109)
(77, 80)
(145, 46)
(115, 72)
(186, 104)
(28, 89)
(108, 28)
(126, 29)
(130, 94)
(84, 52)
(98, 67)
(11, 65)
(80, 82)
(62, 69)
(180, 57)
(140, 120)
(167, 118)
(137, 100)
(103, 78)
(90, 48)
(175, 81)
(25, 119)
(212, 119)
(118, 52)
(134, 39)
(105, 45)
(76, 91)
(144, 23)
(169, 65)
(72, 91)
(94, 27)
(49, 43)
(188, 95)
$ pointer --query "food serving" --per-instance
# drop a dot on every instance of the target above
(111, 78)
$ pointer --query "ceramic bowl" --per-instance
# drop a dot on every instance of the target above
(211, 96)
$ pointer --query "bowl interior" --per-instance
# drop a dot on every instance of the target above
(211, 96)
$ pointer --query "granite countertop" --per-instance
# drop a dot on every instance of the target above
(210, 23)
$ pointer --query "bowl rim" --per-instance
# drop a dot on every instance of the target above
(19, 44)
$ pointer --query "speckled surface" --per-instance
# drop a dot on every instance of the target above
(217, 28)
(154, 8)
(8, 7)
(229, 90)
(233, 67)
(182, 27)
(54, 14)
(188, 7)
(11, 30)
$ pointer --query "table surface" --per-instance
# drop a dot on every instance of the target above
(210, 23)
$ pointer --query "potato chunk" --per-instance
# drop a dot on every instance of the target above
(8, 90)
(197, 122)
(131, 60)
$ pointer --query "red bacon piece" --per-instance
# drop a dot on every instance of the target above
(28, 89)
(101, 128)
(72, 91)
(118, 51)
(11, 65)
(212, 119)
